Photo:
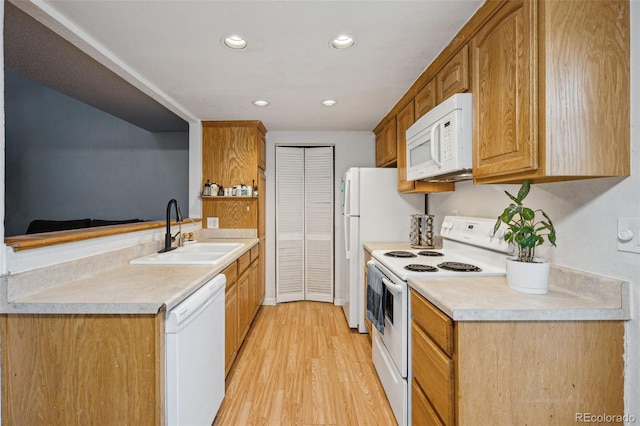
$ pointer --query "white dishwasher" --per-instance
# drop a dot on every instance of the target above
(195, 356)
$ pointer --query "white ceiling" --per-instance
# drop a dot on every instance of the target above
(171, 50)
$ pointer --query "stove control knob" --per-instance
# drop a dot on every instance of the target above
(447, 225)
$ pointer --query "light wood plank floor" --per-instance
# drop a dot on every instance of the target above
(302, 365)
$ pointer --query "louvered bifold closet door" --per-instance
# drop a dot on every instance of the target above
(290, 224)
(319, 224)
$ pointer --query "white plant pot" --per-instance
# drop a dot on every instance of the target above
(528, 277)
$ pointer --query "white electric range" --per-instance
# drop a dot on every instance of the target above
(470, 249)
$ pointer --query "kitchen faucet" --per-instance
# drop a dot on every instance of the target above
(167, 237)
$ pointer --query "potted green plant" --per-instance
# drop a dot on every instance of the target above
(525, 272)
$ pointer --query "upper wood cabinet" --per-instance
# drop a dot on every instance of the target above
(454, 76)
(404, 120)
(386, 144)
(425, 100)
(551, 94)
(233, 152)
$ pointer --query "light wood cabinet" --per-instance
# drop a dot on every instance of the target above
(231, 315)
(233, 152)
(83, 369)
(406, 117)
(425, 99)
(256, 284)
(544, 108)
(244, 296)
(262, 218)
(454, 76)
(245, 293)
(386, 144)
(512, 372)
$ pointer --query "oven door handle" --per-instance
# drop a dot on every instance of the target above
(394, 288)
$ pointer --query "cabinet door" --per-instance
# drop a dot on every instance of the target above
(504, 101)
(454, 76)
(433, 371)
(244, 301)
(386, 144)
(405, 119)
(425, 99)
(262, 219)
(229, 154)
(261, 262)
(231, 327)
(380, 148)
(262, 151)
(255, 289)
(422, 413)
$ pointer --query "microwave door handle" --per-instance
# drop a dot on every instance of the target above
(433, 144)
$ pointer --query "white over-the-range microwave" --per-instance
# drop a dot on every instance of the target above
(439, 143)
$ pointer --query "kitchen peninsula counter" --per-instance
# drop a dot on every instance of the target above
(117, 289)
(573, 296)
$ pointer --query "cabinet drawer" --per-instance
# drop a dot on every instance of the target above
(433, 371)
(243, 262)
(254, 252)
(433, 322)
(422, 413)
(231, 272)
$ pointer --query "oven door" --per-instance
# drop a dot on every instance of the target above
(395, 337)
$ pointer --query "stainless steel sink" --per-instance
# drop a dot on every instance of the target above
(192, 254)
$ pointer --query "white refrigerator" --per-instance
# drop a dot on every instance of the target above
(373, 211)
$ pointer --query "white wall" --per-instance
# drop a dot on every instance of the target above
(585, 214)
(195, 169)
(352, 149)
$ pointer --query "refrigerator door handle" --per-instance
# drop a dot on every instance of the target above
(347, 195)
(347, 236)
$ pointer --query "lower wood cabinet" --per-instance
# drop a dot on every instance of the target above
(231, 314)
(512, 372)
(83, 369)
(245, 293)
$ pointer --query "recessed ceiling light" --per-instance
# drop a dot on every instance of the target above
(342, 41)
(329, 102)
(235, 42)
(261, 103)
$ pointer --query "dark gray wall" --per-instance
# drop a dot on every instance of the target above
(68, 160)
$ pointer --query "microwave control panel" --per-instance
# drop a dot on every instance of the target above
(447, 141)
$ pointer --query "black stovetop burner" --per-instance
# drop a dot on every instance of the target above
(430, 253)
(399, 253)
(459, 267)
(414, 267)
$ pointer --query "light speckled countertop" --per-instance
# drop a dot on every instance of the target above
(573, 295)
(121, 289)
